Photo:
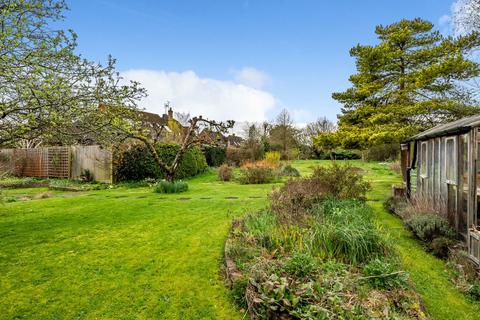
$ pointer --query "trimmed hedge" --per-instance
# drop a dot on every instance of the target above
(215, 156)
(136, 163)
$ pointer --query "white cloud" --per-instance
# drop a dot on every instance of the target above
(444, 20)
(251, 77)
(445, 24)
(215, 99)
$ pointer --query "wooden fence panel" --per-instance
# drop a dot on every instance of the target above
(94, 159)
(31, 162)
(58, 162)
(6, 162)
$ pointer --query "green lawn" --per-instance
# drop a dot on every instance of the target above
(121, 253)
(130, 253)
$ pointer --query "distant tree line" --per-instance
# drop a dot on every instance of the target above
(284, 136)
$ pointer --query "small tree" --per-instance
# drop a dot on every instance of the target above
(283, 134)
(191, 138)
(47, 91)
(253, 142)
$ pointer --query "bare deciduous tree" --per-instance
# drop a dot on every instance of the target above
(191, 138)
(319, 126)
(283, 133)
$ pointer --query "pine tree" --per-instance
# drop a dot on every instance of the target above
(409, 82)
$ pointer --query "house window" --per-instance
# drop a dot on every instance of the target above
(450, 161)
(423, 158)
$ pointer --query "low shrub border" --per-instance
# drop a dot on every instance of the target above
(135, 162)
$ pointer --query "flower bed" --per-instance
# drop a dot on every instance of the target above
(324, 260)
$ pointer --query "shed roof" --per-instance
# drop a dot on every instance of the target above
(458, 126)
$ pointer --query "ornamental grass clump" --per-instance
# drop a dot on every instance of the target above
(165, 186)
(347, 233)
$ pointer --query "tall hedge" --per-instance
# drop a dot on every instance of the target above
(215, 156)
(136, 162)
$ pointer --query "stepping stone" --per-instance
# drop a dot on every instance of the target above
(255, 197)
(205, 198)
(231, 198)
(184, 199)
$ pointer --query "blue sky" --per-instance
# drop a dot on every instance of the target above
(241, 59)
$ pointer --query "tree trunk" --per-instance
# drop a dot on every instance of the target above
(170, 176)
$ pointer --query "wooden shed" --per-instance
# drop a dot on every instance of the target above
(442, 166)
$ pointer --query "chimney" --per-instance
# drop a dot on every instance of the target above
(170, 114)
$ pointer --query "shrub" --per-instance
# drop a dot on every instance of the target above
(464, 273)
(382, 152)
(257, 172)
(295, 197)
(342, 181)
(171, 187)
(427, 227)
(87, 176)
(381, 274)
(441, 247)
(301, 265)
(394, 204)
(238, 292)
(225, 172)
(273, 158)
(289, 171)
(474, 291)
(237, 156)
(135, 162)
(215, 156)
